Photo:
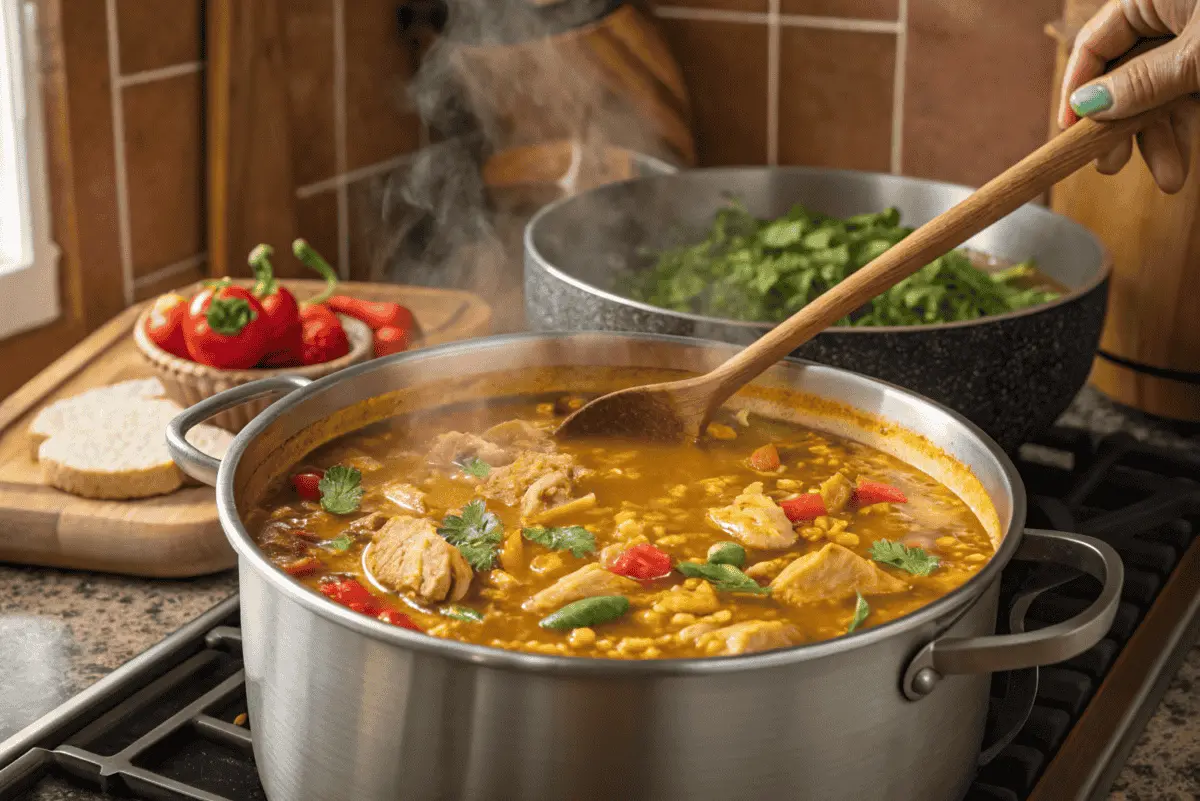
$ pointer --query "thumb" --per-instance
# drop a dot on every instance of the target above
(1151, 80)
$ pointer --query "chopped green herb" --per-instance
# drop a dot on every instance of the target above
(587, 612)
(727, 553)
(766, 270)
(576, 539)
(475, 467)
(463, 613)
(861, 610)
(340, 544)
(723, 577)
(341, 489)
(476, 533)
(897, 554)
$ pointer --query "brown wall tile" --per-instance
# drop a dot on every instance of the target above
(725, 67)
(379, 64)
(158, 33)
(308, 33)
(835, 98)
(165, 160)
(857, 9)
(724, 5)
(978, 83)
(316, 220)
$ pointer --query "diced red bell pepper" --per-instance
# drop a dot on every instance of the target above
(307, 484)
(764, 459)
(869, 492)
(399, 619)
(642, 562)
(809, 506)
(350, 593)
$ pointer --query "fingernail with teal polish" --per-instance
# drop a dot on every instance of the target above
(1088, 100)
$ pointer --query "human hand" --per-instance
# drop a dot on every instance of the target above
(1149, 80)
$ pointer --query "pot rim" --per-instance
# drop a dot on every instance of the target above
(251, 557)
(534, 255)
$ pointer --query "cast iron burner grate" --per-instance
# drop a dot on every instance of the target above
(161, 727)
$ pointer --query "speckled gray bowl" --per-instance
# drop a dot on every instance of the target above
(1012, 374)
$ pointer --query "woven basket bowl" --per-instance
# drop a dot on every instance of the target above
(188, 383)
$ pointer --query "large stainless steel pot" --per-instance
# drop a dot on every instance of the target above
(343, 706)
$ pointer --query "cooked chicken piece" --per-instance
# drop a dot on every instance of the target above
(407, 555)
(368, 523)
(509, 482)
(750, 636)
(406, 496)
(754, 520)
(609, 553)
(836, 491)
(768, 569)
(700, 601)
(552, 489)
(519, 435)
(567, 509)
(586, 582)
(696, 631)
(455, 447)
(831, 574)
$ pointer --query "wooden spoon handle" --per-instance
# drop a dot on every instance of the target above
(1021, 183)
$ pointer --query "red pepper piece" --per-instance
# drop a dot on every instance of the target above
(376, 314)
(869, 492)
(809, 506)
(350, 593)
(226, 328)
(281, 311)
(389, 340)
(642, 562)
(765, 458)
(304, 566)
(164, 324)
(399, 619)
(307, 484)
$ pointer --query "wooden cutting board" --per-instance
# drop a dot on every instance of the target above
(172, 535)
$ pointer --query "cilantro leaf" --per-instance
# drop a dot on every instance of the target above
(897, 554)
(476, 533)
(723, 577)
(341, 489)
(475, 467)
(340, 544)
(576, 539)
(861, 610)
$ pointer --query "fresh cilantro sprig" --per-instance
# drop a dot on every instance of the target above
(723, 577)
(475, 466)
(476, 533)
(340, 544)
(861, 610)
(341, 489)
(897, 554)
(576, 539)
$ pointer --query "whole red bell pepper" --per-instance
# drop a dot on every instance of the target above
(322, 334)
(165, 322)
(389, 340)
(375, 314)
(226, 328)
(282, 312)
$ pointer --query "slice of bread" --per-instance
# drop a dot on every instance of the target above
(110, 443)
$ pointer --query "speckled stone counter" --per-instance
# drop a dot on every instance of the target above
(61, 631)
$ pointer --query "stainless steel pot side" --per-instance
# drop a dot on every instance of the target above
(1012, 375)
(343, 706)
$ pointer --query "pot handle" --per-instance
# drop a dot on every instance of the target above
(192, 460)
(1052, 644)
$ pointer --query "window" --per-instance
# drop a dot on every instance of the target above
(28, 259)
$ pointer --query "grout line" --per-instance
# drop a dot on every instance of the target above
(118, 123)
(341, 158)
(900, 79)
(159, 74)
(353, 176)
(773, 35)
(710, 15)
(785, 20)
(178, 267)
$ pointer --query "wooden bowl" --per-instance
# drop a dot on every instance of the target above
(188, 382)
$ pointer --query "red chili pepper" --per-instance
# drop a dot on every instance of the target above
(321, 331)
(281, 311)
(307, 484)
(376, 314)
(389, 340)
(399, 619)
(642, 562)
(226, 328)
(765, 458)
(164, 324)
(350, 593)
(809, 506)
(304, 566)
(869, 492)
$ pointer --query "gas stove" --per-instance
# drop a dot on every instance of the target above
(171, 723)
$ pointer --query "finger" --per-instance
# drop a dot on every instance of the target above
(1105, 37)
(1161, 154)
(1148, 81)
(1112, 162)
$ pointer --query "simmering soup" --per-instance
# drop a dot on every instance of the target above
(472, 523)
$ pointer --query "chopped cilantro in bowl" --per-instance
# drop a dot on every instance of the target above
(766, 270)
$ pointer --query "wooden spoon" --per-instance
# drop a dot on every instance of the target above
(673, 410)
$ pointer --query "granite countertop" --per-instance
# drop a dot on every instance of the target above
(62, 630)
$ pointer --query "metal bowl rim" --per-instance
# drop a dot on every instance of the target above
(943, 610)
(533, 254)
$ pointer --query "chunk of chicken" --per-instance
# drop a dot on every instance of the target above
(455, 447)
(407, 555)
(831, 574)
(586, 582)
(748, 637)
(700, 601)
(609, 553)
(769, 569)
(404, 495)
(552, 489)
(520, 435)
(509, 483)
(754, 520)
(836, 492)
